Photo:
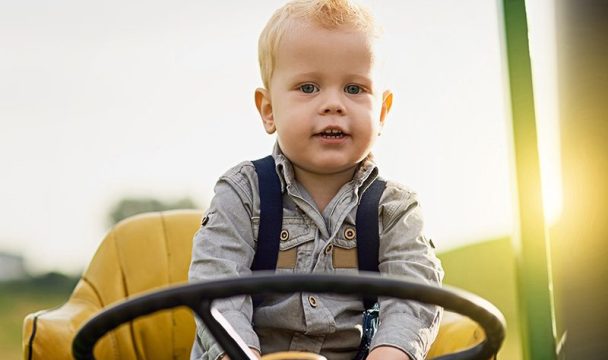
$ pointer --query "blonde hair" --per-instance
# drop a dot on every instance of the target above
(327, 13)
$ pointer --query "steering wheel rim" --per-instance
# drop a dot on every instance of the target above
(199, 297)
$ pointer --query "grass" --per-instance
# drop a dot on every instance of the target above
(19, 298)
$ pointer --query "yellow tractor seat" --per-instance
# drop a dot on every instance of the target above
(143, 253)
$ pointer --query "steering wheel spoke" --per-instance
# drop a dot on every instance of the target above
(223, 333)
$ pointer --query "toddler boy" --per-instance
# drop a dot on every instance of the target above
(322, 99)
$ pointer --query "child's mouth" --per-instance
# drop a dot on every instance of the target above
(332, 134)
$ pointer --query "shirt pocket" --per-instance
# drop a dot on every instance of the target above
(295, 239)
(344, 255)
(345, 262)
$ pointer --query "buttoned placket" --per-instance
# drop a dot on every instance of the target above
(318, 319)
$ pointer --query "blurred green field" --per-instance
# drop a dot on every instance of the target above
(486, 269)
(19, 298)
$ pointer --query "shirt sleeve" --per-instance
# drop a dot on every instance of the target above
(224, 247)
(404, 250)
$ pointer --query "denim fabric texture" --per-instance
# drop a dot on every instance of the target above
(321, 323)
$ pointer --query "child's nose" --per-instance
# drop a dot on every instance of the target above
(333, 109)
(333, 105)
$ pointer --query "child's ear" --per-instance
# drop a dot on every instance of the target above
(387, 102)
(262, 102)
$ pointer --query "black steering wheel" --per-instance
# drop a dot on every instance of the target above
(199, 298)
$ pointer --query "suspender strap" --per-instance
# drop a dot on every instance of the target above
(271, 215)
(368, 232)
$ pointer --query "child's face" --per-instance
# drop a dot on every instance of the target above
(322, 100)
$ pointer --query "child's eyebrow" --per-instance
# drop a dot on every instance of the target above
(365, 79)
(307, 75)
(315, 75)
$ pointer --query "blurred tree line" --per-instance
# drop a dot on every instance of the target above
(133, 206)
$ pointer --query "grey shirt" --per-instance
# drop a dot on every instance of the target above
(313, 242)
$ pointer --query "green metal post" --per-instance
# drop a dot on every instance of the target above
(531, 242)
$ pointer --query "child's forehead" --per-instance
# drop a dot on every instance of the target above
(307, 37)
(303, 29)
(308, 43)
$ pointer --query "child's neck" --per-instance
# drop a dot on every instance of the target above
(323, 187)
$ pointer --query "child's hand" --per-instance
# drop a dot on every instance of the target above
(387, 353)
(255, 351)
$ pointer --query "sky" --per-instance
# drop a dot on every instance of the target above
(104, 100)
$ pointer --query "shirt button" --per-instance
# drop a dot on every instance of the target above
(312, 301)
(328, 249)
(284, 235)
(349, 233)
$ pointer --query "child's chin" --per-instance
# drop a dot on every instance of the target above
(333, 167)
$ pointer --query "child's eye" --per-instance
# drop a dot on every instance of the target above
(353, 89)
(308, 88)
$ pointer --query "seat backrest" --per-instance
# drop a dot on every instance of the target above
(139, 254)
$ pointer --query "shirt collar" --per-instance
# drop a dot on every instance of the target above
(365, 174)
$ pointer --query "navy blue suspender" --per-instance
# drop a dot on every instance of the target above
(271, 215)
(366, 223)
